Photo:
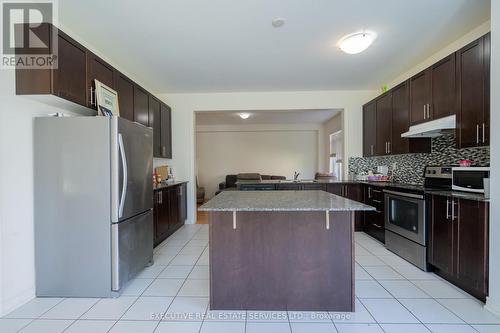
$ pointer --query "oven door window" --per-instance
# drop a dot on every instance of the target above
(404, 214)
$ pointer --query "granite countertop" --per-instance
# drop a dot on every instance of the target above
(410, 187)
(164, 185)
(281, 201)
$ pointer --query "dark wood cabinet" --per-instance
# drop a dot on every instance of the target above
(420, 91)
(373, 221)
(384, 124)
(99, 70)
(68, 81)
(141, 106)
(166, 131)
(400, 118)
(441, 234)
(369, 129)
(70, 76)
(473, 94)
(125, 89)
(443, 92)
(170, 211)
(155, 123)
(73, 80)
(458, 242)
(349, 191)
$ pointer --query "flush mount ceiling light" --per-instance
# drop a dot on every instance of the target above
(356, 42)
(244, 115)
(278, 22)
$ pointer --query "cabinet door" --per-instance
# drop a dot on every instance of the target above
(99, 70)
(173, 203)
(141, 106)
(400, 118)
(471, 90)
(369, 129)
(354, 192)
(419, 97)
(443, 88)
(472, 244)
(166, 131)
(125, 89)
(384, 124)
(336, 189)
(182, 192)
(70, 76)
(162, 211)
(487, 68)
(155, 122)
(441, 234)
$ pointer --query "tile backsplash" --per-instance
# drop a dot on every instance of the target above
(409, 168)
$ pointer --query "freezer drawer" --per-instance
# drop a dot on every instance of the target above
(131, 248)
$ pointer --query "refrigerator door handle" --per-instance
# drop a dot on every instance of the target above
(125, 175)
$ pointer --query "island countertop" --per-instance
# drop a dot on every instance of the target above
(281, 201)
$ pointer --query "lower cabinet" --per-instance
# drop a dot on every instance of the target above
(170, 211)
(458, 242)
(349, 191)
(374, 221)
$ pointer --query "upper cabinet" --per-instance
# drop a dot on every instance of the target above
(432, 92)
(73, 80)
(458, 84)
(420, 87)
(473, 66)
(125, 89)
(141, 106)
(166, 132)
(98, 70)
(369, 128)
(443, 101)
(384, 124)
(400, 118)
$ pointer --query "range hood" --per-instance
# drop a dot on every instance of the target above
(431, 128)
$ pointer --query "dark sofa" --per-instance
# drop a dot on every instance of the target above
(230, 183)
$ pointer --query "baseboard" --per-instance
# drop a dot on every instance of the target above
(13, 303)
(493, 306)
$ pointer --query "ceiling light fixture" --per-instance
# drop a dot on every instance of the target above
(356, 42)
(278, 22)
(244, 115)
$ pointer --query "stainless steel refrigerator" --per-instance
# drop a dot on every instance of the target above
(93, 204)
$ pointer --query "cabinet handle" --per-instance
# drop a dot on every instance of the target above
(160, 197)
(428, 111)
(452, 209)
(484, 140)
(447, 208)
(424, 112)
(369, 192)
(163, 151)
(477, 134)
(389, 148)
(371, 148)
(377, 201)
(91, 96)
(346, 191)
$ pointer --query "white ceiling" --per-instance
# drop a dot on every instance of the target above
(230, 45)
(265, 117)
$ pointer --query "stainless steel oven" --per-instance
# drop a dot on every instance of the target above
(406, 227)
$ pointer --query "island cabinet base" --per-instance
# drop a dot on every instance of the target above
(276, 260)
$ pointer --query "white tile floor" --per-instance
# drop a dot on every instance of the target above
(172, 296)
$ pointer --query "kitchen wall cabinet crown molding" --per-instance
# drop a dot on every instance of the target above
(457, 84)
(73, 83)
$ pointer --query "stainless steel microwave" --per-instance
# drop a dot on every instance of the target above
(469, 179)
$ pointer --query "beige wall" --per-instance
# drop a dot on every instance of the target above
(271, 150)
(185, 105)
(332, 126)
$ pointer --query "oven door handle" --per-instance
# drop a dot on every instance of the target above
(407, 195)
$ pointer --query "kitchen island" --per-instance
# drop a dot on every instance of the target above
(282, 250)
